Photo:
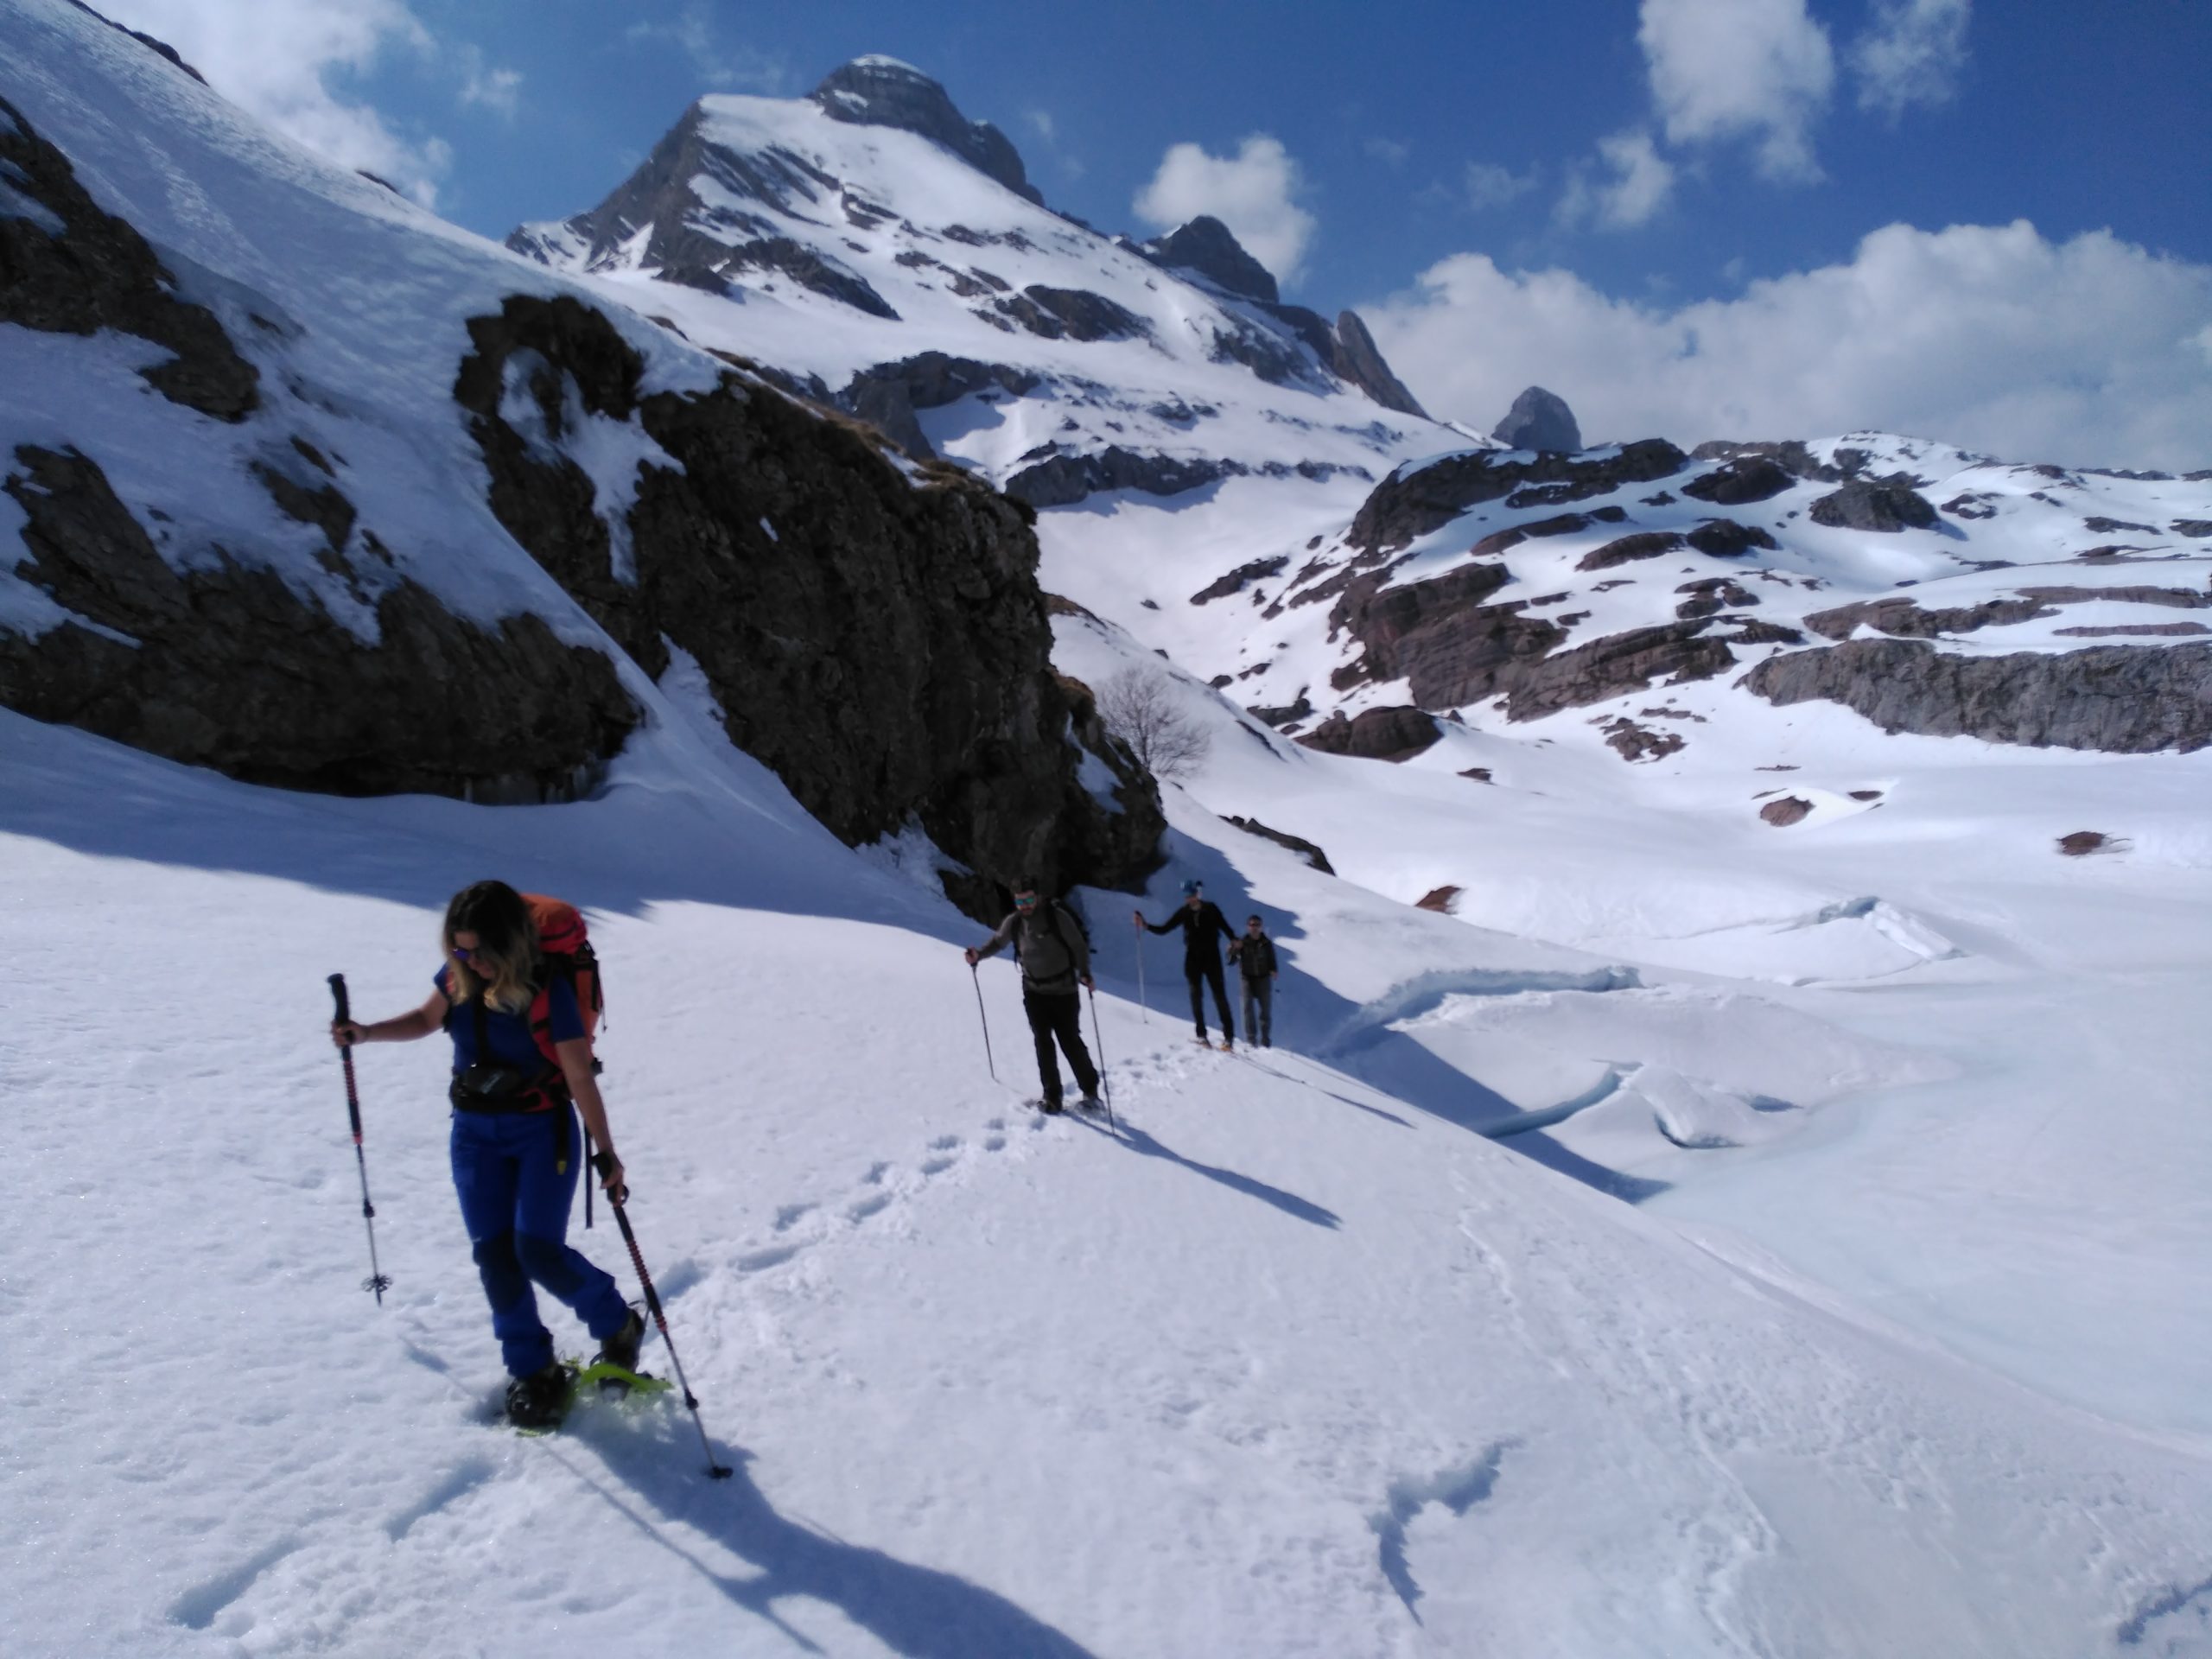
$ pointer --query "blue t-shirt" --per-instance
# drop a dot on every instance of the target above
(509, 1034)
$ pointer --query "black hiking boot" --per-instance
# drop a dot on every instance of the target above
(1049, 1107)
(540, 1399)
(621, 1348)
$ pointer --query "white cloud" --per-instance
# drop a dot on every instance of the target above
(693, 33)
(1641, 182)
(1488, 185)
(1987, 336)
(1760, 70)
(1388, 152)
(497, 90)
(1041, 123)
(1252, 192)
(275, 61)
(1911, 55)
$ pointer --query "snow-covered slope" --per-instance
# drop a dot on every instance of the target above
(1282, 1364)
(1696, 1236)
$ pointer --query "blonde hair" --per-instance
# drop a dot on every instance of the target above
(503, 969)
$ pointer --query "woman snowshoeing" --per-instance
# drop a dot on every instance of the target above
(516, 1149)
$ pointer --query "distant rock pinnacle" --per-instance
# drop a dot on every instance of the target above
(1540, 419)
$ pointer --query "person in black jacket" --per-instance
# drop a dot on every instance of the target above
(1255, 956)
(1055, 958)
(1200, 920)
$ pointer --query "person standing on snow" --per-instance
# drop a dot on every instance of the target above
(1055, 958)
(1255, 956)
(515, 1148)
(1200, 918)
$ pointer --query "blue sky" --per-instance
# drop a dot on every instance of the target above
(1658, 155)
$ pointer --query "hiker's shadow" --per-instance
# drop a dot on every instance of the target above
(1289, 1203)
(918, 1611)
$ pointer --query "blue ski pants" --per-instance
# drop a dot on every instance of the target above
(516, 1174)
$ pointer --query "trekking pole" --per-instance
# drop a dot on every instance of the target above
(376, 1280)
(975, 975)
(1099, 1043)
(1144, 1007)
(715, 1470)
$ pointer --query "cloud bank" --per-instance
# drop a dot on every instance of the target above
(1759, 70)
(2092, 352)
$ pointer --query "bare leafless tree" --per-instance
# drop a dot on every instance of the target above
(1139, 709)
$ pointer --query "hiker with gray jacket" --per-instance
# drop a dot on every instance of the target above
(1255, 956)
(1055, 956)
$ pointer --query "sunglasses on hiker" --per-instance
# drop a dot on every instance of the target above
(1025, 901)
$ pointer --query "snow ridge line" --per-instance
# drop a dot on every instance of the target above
(1410, 999)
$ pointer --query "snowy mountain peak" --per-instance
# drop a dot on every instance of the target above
(879, 91)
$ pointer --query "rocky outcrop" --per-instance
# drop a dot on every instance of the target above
(878, 91)
(1060, 479)
(218, 664)
(883, 648)
(1906, 619)
(1410, 504)
(2118, 699)
(1712, 594)
(1884, 505)
(887, 395)
(1439, 637)
(1644, 544)
(1239, 579)
(1792, 455)
(1358, 360)
(1208, 247)
(66, 267)
(1724, 538)
(1396, 734)
(1746, 478)
(1539, 419)
(1312, 854)
(1673, 653)
(1070, 314)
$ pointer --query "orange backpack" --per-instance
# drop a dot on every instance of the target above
(565, 944)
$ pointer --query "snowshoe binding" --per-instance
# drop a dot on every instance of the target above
(539, 1401)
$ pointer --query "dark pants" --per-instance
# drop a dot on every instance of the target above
(1056, 1014)
(1262, 991)
(516, 1174)
(1211, 971)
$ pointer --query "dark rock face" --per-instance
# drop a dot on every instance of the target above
(1358, 359)
(880, 93)
(1724, 538)
(68, 268)
(885, 650)
(1539, 419)
(1407, 505)
(1210, 248)
(1060, 480)
(887, 395)
(1789, 809)
(1746, 478)
(1905, 618)
(1439, 637)
(1885, 506)
(2118, 699)
(1302, 710)
(1711, 596)
(1792, 455)
(1312, 854)
(1396, 734)
(1644, 544)
(1619, 663)
(2193, 528)
(232, 670)
(1237, 579)
(1633, 742)
(1071, 314)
